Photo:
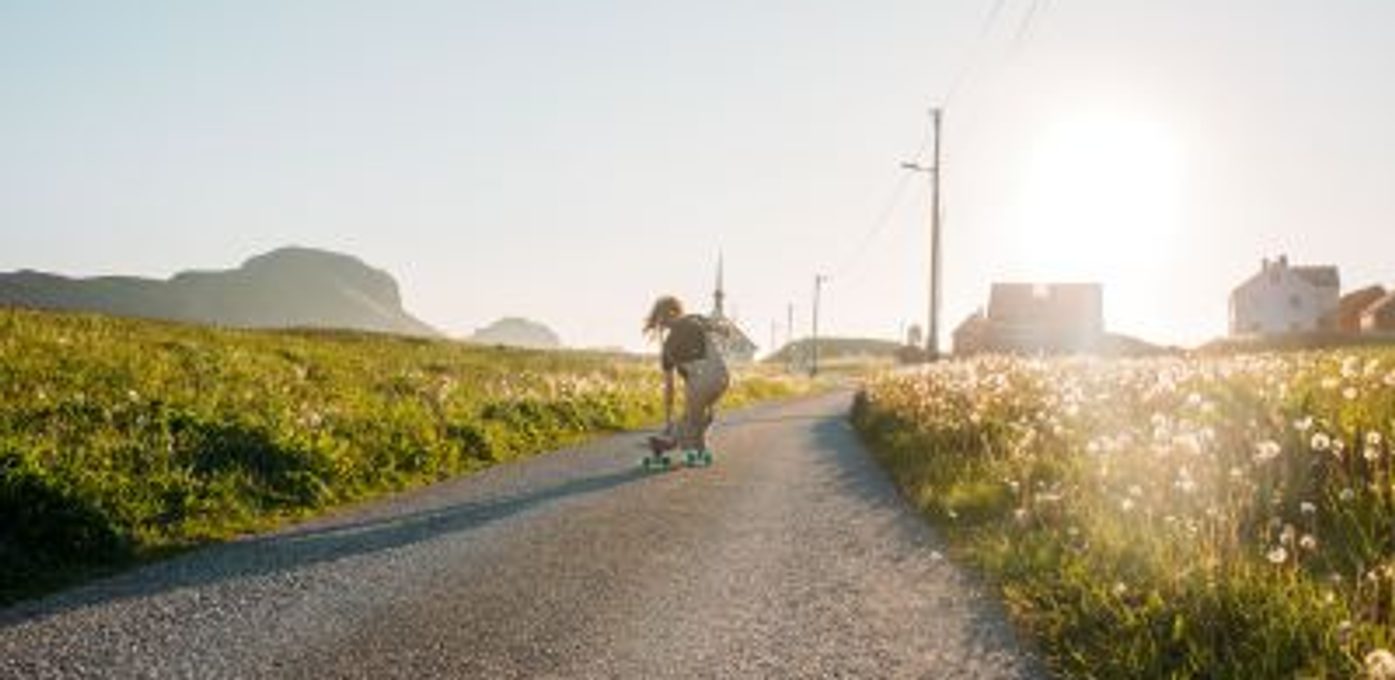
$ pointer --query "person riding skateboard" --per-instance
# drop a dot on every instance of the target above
(689, 351)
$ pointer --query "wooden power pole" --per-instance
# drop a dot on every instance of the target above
(932, 335)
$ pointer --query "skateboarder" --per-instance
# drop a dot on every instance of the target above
(689, 350)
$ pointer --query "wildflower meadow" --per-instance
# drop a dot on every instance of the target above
(1223, 516)
(121, 439)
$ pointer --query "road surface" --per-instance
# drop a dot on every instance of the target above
(792, 557)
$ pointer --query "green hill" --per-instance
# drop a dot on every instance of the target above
(832, 349)
(285, 288)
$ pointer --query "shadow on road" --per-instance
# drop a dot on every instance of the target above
(296, 549)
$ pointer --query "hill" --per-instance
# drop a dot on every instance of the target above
(517, 332)
(831, 349)
(289, 287)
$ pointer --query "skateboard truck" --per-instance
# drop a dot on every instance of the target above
(659, 446)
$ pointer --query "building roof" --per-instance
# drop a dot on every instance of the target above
(732, 333)
(1386, 303)
(1061, 302)
(1322, 277)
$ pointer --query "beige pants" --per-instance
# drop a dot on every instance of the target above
(705, 380)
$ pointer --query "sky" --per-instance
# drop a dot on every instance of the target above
(568, 161)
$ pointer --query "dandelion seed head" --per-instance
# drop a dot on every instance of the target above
(1380, 665)
(1277, 555)
(1266, 451)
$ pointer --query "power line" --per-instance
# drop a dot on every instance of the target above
(985, 30)
(1029, 21)
(888, 210)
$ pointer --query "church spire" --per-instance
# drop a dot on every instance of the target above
(720, 295)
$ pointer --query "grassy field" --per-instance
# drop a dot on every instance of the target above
(122, 440)
(1222, 517)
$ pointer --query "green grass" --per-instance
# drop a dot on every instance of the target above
(125, 440)
(1217, 517)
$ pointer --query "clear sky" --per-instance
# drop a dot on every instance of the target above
(567, 161)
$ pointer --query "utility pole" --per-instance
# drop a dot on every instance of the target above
(789, 339)
(819, 279)
(789, 325)
(932, 336)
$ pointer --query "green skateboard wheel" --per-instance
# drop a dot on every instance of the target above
(655, 463)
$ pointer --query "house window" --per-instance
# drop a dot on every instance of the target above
(1295, 301)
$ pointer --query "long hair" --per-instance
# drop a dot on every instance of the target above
(665, 309)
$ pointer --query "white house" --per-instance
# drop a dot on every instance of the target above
(1285, 299)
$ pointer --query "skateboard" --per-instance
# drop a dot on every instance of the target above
(658, 458)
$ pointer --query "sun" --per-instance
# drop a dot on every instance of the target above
(1100, 197)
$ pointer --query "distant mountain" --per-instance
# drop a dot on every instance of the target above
(290, 287)
(517, 332)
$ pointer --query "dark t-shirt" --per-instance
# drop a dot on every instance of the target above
(685, 341)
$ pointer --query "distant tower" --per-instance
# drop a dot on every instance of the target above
(720, 295)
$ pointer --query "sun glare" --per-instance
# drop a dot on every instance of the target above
(1100, 198)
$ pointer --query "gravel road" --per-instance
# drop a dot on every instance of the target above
(791, 557)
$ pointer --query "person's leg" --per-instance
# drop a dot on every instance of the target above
(690, 429)
(713, 386)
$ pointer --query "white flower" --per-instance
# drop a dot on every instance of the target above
(1126, 505)
(1303, 424)
(1380, 665)
(1307, 508)
(1119, 589)
(1347, 495)
(1349, 393)
(1136, 491)
(1320, 441)
(1308, 542)
(1278, 555)
(1266, 451)
(1373, 438)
